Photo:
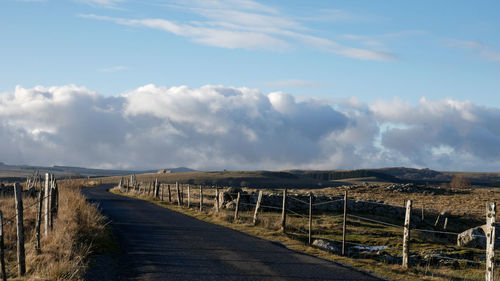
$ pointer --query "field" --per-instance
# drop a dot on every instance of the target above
(434, 255)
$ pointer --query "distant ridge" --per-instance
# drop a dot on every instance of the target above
(19, 171)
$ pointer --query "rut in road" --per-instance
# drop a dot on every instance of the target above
(160, 244)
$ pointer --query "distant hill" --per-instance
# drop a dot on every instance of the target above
(23, 171)
(412, 174)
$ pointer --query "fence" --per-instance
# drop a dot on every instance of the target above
(46, 204)
(338, 224)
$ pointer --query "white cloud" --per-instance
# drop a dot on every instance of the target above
(109, 4)
(219, 127)
(290, 83)
(481, 49)
(246, 24)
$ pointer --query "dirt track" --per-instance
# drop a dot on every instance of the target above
(160, 244)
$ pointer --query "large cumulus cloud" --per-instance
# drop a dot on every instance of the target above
(215, 127)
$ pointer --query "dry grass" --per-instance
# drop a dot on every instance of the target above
(65, 250)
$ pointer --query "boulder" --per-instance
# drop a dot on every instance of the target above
(326, 245)
(476, 238)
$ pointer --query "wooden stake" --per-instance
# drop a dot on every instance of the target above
(237, 207)
(155, 193)
(189, 196)
(47, 204)
(201, 198)
(21, 258)
(491, 212)
(178, 193)
(38, 222)
(406, 235)
(423, 207)
(217, 199)
(445, 223)
(2, 249)
(344, 225)
(310, 216)
(283, 212)
(257, 207)
(437, 220)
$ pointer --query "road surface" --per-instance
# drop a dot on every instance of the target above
(160, 244)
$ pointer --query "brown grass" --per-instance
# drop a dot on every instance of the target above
(65, 251)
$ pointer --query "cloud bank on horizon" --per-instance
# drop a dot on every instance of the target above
(217, 127)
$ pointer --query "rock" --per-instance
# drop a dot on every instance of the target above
(475, 238)
(326, 245)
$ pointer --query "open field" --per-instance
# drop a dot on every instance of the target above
(434, 256)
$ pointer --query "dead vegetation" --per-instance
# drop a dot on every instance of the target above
(78, 231)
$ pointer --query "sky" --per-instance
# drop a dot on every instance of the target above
(245, 84)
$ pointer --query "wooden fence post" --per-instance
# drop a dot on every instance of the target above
(445, 223)
(237, 207)
(47, 204)
(2, 249)
(52, 204)
(169, 194)
(491, 211)
(162, 190)
(344, 224)
(21, 258)
(182, 193)
(178, 193)
(217, 199)
(283, 212)
(38, 222)
(201, 198)
(257, 207)
(406, 235)
(310, 216)
(189, 196)
(423, 207)
(155, 188)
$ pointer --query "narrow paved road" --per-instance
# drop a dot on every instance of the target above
(160, 244)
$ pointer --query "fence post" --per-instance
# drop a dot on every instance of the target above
(216, 199)
(201, 198)
(162, 187)
(47, 204)
(39, 222)
(283, 212)
(178, 193)
(155, 188)
(237, 207)
(491, 211)
(445, 223)
(310, 216)
(423, 212)
(169, 194)
(344, 224)
(257, 207)
(21, 258)
(406, 235)
(52, 204)
(2, 249)
(189, 196)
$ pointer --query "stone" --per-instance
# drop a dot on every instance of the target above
(475, 237)
(325, 245)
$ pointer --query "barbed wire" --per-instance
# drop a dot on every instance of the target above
(375, 221)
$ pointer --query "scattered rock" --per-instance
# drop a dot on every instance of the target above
(476, 238)
(326, 245)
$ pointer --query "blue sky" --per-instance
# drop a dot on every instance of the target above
(243, 84)
(436, 49)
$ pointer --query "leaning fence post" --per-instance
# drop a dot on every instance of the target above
(491, 211)
(310, 216)
(237, 207)
(21, 258)
(178, 193)
(39, 221)
(257, 207)
(217, 199)
(47, 204)
(406, 235)
(201, 198)
(2, 249)
(344, 224)
(283, 212)
(189, 196)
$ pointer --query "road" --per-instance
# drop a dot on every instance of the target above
(160, 244)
